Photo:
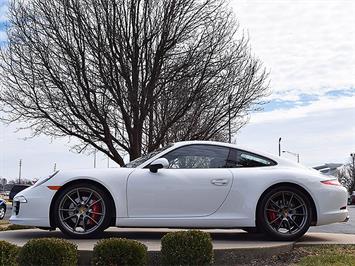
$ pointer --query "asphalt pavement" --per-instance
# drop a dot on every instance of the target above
(340, 228)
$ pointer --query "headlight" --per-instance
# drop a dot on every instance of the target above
(21, 199)
(38, 183)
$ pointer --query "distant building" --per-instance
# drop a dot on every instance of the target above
(328, 168)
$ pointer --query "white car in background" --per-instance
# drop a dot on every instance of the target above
(193, 184)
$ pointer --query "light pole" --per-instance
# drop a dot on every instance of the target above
(20, 171)
(294, 154)
(353, 157)
(279, 146)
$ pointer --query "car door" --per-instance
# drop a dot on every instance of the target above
(195, 184)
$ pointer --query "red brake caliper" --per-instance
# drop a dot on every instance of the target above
(95, 208)
(271, 215)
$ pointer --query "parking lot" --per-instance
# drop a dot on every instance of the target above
(344, 228)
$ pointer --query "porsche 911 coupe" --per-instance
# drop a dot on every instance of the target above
(193, 184)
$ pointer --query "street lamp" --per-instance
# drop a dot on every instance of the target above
(279, 146)
(294, 154)
(20, 171)
(353, 157)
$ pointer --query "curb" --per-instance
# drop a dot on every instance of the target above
(231, 250)
(221, 256)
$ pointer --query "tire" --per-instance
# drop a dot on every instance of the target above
(284, 213)
(2, 212)
(82, 211)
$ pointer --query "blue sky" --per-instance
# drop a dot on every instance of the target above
(308, 47)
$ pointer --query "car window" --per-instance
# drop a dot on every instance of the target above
(146, 157)
(240, 158)
(198, 156)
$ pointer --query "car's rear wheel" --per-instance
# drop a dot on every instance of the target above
(284, 213)
(82, 211)
(2, 212)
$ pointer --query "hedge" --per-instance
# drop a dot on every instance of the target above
(192, 247)
(119, 251)
(48, 251)
(8, 253)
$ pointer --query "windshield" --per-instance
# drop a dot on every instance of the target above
(142, 159)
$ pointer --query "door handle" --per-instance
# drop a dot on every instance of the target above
(219, 182)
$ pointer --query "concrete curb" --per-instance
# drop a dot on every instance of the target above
(231, 247)
(221, 256)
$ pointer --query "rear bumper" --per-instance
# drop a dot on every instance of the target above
(333, 217)
(332, 202)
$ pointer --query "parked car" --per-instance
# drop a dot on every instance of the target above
(16, 189)
(2, 209)
(194, 184)
(352, 198)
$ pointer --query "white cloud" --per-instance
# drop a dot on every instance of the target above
(309, 48)
(307, 45)
(39, 155)
(322, 105)
(3, 10)
(3, 36)
(321, 132)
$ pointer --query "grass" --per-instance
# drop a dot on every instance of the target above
(338, 255)
(15, 227)
(2, 222)
(325, 255)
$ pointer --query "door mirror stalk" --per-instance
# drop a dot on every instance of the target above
(158, 164)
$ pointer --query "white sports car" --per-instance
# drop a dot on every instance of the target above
(194, 184)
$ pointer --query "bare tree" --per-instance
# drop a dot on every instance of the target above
(127, 75)
(346, 175)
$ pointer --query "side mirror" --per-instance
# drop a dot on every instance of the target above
(158, 164)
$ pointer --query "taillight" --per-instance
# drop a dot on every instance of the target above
(333, 182)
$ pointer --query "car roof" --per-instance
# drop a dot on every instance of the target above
(219, 143)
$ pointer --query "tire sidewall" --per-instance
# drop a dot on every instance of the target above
(104, 224)
(262, 223)
(2, 208)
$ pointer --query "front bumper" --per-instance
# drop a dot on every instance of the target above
(34, 212)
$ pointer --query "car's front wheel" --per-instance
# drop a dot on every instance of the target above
(2, 212)
(284, 213)
(82, 211)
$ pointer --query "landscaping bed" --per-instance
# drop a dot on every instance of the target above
(309, 256)
(6, 226)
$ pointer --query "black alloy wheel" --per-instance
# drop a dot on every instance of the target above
(82, 211)
(284, 213)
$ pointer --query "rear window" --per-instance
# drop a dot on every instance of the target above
(240, 158)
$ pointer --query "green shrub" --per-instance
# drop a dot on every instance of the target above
(119, 251)
(8, 253)
(192, 247)
(48, 251)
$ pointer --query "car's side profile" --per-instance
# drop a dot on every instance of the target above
(194, 184)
